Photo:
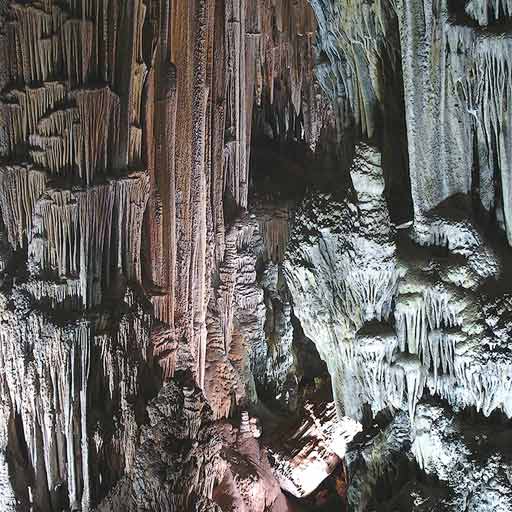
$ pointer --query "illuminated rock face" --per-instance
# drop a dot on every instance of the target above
(397, 324)
(199, 199)
(305, 455)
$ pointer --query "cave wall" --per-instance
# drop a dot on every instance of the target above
(199, 187)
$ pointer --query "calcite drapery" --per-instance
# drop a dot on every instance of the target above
(229, 56)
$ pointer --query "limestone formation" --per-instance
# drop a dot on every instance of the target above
(250, 245)
(187, 461)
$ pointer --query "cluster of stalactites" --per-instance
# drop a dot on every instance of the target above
(488, 12)
(357, 39)
(485, 89)
(458, 107)
(269, 63)
(76, 41)
(437, 346)
(78, 234)
(70, 134)
(45, 379)
(23, 109)
(367, 294)
(283, 36)
(53, 418)
(381, 377)
(20, 187)
(416, 314)
(122, 357)
(390, 367)
(57, 114)
(470, 382)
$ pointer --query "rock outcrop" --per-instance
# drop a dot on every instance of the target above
(189, 461)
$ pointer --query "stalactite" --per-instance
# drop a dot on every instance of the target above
(20, 188)
(130, 82)
(37, 41)
(52, 145)
(488, 12)
(68, 240)
(99, 116)
(65, 294)
(275, 235)
(77, 41)
(217, 130)
(161, 124)
(23, 109)
(130, 200)
(235, 163)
